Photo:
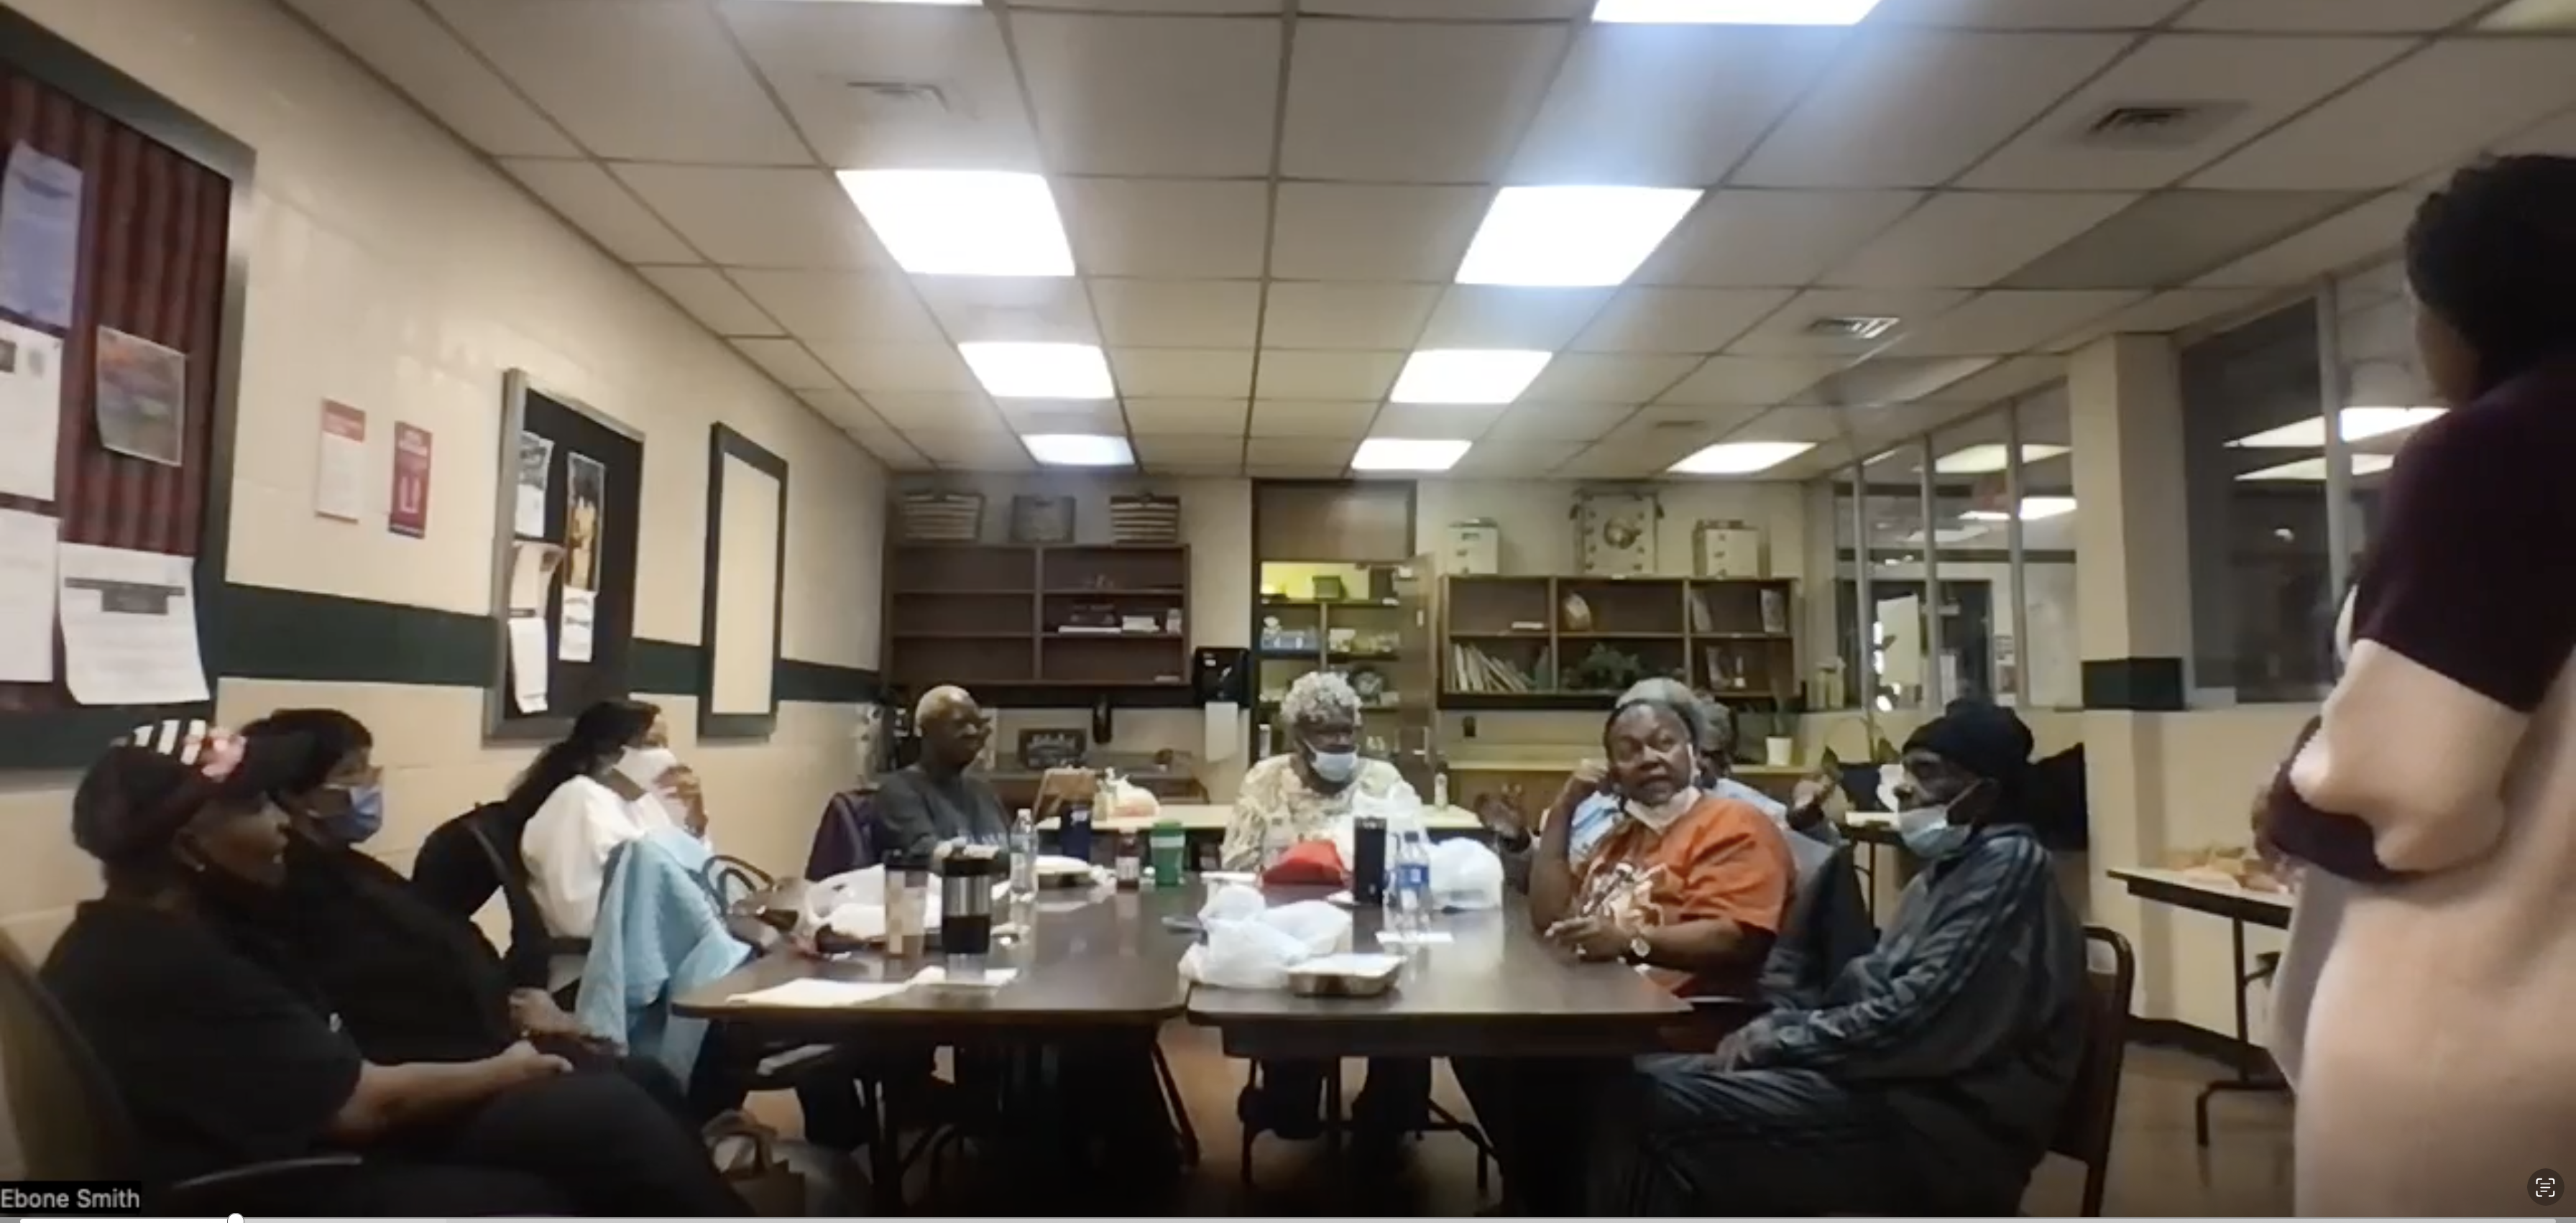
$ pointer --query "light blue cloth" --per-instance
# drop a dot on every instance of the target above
(1597, 815)
(659, 935)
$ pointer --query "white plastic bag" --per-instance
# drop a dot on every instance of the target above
(853, 905)
(1319, 927)
(1232, 902)
(1465, 876)
(1256, 951)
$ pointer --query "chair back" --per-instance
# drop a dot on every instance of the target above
(61, 1118)
(1818, 935)
(845, 839)
(2084, 1128)
(456, 871)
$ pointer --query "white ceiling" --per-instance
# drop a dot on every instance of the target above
(1268, 199)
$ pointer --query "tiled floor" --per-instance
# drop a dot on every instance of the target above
(2156, 1168)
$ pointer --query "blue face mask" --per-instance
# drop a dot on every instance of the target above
(363, 816)
(1927, 831)
(1335, 767)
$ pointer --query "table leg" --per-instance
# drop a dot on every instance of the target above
(885, 1153)
(2249, 1077)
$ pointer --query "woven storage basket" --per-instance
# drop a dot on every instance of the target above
(1144, 518)
(941, 517)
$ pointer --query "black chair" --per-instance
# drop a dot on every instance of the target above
(2091, 1116)
(1437, 1120)
(457, 885)
(71, 1124)
(1827, 927)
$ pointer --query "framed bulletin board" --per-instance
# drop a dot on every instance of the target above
(563, 564)
(746, 587)
(133, 196)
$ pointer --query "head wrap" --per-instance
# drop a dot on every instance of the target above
(1986, 740)
(135, 799)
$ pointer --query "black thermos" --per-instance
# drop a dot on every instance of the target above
(1368, 868)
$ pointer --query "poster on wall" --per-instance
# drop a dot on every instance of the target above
(31, 410)
(536, 466)
(585, 524)
(409, 513)
(339, 475)
(40, 212)
(142, 397)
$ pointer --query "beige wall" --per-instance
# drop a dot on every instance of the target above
(393, 270)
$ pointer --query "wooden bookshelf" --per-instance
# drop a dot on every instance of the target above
(1511, 643)
(1040, 626)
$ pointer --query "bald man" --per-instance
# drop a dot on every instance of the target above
(934, 799)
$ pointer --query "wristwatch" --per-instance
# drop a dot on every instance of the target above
(1639, 949)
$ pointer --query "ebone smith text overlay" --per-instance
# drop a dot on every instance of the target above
(69, 1199)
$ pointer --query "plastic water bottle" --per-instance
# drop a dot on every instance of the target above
(1024, 870)
(1412, 891)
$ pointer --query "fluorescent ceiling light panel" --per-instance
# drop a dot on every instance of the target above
(2033, 509)
(1740, 458)
(1408, 454)
(2358, 424)
(1080, 449)
(1467, 375)
(963, 222)
(1733, 12)
(1990, 457)
(2315, 468)
(1571, 237)
(1040, 371)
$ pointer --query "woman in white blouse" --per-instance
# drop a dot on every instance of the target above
(613, 779)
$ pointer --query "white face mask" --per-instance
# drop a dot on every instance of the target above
(1928, 832)
(1663, 815)
(645, 765)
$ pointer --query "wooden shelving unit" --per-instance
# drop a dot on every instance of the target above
(1006, 620)
(1510, 643)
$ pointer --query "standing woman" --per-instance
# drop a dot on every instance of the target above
(2432, 965)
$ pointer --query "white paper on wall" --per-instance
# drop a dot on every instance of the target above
(129, 622)
(31, 411)
(27, 546)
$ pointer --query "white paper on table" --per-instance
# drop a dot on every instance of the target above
(129, 623)
(339, 471)
(1420, 938)
(815, 992)
(27, 546)
(1223, 719)
(528, 663)
(31, 410)
(580, 612)
(990, 978)
(536, 463)
(532, 573)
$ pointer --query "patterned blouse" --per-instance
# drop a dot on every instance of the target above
(1276, 804)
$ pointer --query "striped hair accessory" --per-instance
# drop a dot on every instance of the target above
(215, 751)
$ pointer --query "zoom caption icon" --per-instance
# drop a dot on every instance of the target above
(2545, 1186)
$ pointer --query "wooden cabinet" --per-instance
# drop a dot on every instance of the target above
(1574, 642)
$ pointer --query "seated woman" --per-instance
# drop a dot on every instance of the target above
(226, 1056)
(1688, 887)
(610, 781)
(1301, 795)
(409, 983)
(1932, 1077)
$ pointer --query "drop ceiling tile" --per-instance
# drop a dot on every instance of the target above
(416, 55)
(1597, 378)
(653, 80)
(1913, 108)
(712, 300)
(2006, 379)
(1374, 316)
(2172, 236)
(1311, 418)
(915, 411)
(2422, 112)
(1771, 238)
(874, 368)
(2343, 16)
(1035, 416)
(820, 60)
(1408, 103)
(1558, 422)
(1665, 441)
(1185, 373)
(843, 408)
(1604, 463)
(891, 449)
(1195, 418)
(1785, 332)
(2027, 14)
(1178, 313)
(994, 452)
(1652, 320)
(2010, 321)
(874, 306)
(1800, 424)
(789, 363)
(584, 194)
(2556, 134)
(1033, 309)
(1152, 95)
(1500, 316)
(2170, 311)
(1524, 458)
(1436, 421)
(2257, 81)
(1189, 451)
(1969, 239)
(1449, 10)
(1300, 454)
(1337, 231)
(1750, 381)
(1165, 228)
(1664, 105)
(1290, 374)
(758, 218)
(2374, 227)
(1229, 8)
(1893, 380)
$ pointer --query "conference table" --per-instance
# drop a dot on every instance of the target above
(1106, 961)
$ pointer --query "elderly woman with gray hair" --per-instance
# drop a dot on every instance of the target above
(1301, 795)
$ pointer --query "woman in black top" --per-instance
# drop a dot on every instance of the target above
(225, 1057)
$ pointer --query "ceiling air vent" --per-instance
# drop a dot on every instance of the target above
(898, 100)
(2156, 125)
(1852, 327)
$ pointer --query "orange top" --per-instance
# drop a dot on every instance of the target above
(1725, 859)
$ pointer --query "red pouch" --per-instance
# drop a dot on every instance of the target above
(1307, 864)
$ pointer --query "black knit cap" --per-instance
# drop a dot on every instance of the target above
(132, 803)
(1986, 740)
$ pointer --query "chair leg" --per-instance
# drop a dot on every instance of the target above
(1189, 1133)
(1251, 1129)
